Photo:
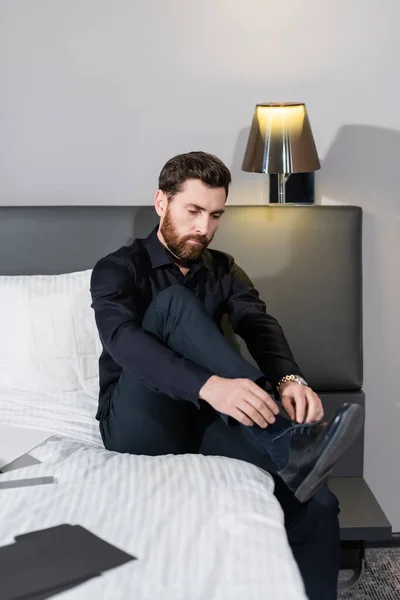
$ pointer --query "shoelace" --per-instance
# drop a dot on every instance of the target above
(302, 428)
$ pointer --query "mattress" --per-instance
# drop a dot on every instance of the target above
(202, 528)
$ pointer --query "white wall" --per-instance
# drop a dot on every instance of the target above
(95, 95)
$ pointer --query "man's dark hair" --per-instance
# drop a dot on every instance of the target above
(194, 165)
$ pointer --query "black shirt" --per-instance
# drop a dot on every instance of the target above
(124, 283)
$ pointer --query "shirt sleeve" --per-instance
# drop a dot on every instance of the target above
(262, 333)
(140, 353)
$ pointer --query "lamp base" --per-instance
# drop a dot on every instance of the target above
(299, 189)
(282, 179)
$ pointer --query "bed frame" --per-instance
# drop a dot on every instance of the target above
(306, 262)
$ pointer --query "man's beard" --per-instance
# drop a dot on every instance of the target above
(179, 246)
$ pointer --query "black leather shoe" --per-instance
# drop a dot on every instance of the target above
(315, 448)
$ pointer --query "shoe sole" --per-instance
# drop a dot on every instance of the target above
(345, 435)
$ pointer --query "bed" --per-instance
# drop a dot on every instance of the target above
(201, 527)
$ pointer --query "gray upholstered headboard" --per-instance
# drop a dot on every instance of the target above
(305, 261)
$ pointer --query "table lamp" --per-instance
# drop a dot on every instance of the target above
(281, 142)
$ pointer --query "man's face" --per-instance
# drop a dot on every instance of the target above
(190, 219)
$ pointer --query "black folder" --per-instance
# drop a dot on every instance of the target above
(46, 562)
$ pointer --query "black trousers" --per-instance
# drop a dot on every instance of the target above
(141, 420)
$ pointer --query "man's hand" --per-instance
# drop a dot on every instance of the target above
(241, 399)
(301, 403)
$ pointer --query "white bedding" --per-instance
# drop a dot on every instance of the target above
(202, 528)
(68, 414)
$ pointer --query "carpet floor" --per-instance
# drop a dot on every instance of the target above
(381, 579)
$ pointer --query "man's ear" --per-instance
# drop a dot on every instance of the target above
(160, 203)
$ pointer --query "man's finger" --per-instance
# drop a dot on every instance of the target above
(300, 402)
(241, 417)
(262, 395)
(254, 415)
(262, 408)
(314, 407)
(289, 407)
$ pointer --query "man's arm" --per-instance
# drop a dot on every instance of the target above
(138, 352)
(262, 333)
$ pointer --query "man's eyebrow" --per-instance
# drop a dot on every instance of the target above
(215, 212)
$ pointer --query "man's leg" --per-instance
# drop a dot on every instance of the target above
(178, 318)
(312, 528)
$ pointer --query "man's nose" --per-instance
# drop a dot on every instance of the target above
(202, 225)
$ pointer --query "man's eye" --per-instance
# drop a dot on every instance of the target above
(217, 217)
(192, 212)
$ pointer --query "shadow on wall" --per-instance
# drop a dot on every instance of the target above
(362, 168)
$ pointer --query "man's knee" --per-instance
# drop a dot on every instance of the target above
(174, 304)
(175, 296)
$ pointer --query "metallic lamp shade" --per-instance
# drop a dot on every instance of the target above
(281, 140)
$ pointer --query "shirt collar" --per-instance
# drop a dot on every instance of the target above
(159, 257)
(156, 251)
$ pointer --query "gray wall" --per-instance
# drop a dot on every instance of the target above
(95, 95)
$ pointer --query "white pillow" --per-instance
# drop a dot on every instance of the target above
(49, 341)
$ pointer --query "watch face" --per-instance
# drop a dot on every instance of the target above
(294, 379)
(298, 379)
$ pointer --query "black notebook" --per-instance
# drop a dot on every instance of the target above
(43, 563)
